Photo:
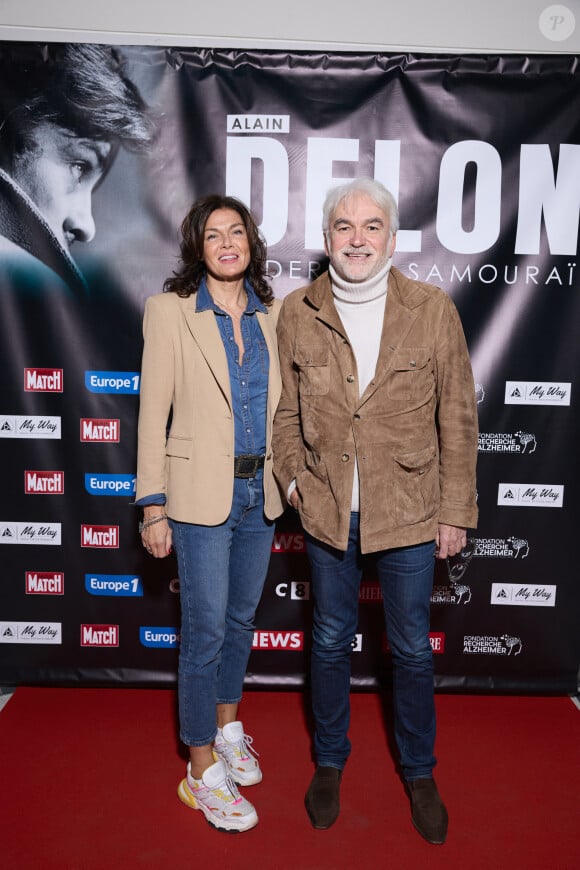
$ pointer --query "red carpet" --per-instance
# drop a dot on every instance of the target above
(89, 776)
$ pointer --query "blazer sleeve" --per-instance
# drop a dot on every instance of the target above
(156, 397)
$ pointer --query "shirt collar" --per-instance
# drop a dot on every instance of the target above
(204, 301)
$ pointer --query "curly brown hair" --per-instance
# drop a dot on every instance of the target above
(188, 277)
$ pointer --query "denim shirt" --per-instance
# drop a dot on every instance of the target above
(248, 381)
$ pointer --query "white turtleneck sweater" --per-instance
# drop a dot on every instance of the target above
(361, 307)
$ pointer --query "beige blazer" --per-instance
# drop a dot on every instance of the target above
(186, 423)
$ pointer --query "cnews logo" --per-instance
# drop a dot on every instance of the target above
(288, 543)
(43, 380)
(100, 537)
(99, 635)
(110, 484)
(124, 585)
(159, 637)
(44, 583)
(120, 383)
(45, 482)
(105, 431)
(283, 640)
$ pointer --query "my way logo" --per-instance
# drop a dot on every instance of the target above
(110, 484)
(44, 482)
(530, 495)
(159, 637)
(115, 585)
(17, 426)
(31, 632)
(44, 583)
(43, 381)
(503, 442)
(523, 596)
(100, 537)
(103, 431)
(30, 533)
(537, 393)
(119, 383)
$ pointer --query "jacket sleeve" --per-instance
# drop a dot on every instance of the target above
(287, 437)
(156, 396)
(456, 423)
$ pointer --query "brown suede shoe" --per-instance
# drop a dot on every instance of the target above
(322, 798)
(428, 810)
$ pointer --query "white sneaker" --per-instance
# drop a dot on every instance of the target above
(236, 751)
(217, 796)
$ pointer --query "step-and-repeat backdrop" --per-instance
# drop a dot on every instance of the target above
(483, 156)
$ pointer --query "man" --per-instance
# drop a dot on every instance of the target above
(375, 442)
(64, 112)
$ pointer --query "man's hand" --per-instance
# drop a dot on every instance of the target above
(294, 499)
(449, 541)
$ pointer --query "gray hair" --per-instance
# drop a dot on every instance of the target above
(374, 189)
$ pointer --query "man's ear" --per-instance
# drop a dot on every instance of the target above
(393, 245)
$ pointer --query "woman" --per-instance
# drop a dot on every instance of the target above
(210, 368)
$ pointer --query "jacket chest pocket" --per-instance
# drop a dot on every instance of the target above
(313, 364)
(411, 376)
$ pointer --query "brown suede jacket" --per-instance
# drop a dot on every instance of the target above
(413, 431)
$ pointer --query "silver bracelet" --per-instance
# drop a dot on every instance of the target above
(146, 523)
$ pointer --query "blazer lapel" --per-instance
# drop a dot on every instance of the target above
(205, 332)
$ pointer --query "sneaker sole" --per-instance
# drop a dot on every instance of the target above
(247, 823)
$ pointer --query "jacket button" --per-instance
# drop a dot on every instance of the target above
(350, 379)
(357, 417)
(413, 364)
(345, 457)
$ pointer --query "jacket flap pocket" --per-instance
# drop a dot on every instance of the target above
(312, 356)
(419, 460)
(179, 446)
(410, 359)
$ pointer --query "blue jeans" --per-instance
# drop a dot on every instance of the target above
(222, 570)
(406, 578)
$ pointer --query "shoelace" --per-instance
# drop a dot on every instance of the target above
(243, 746)
(226, 791)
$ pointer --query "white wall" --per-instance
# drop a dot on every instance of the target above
(369, 25)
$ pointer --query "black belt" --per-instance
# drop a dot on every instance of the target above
(247, 465)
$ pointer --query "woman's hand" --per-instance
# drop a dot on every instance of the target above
(156, 537)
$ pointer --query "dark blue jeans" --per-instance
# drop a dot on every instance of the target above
(222, 570)
(406, 578)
